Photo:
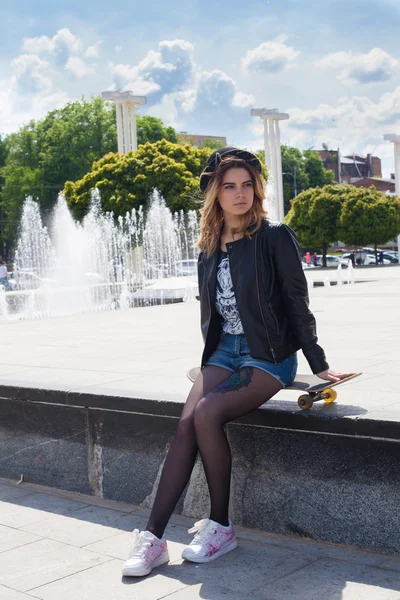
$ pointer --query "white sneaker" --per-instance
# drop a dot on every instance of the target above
(211, 541)
(146, 552)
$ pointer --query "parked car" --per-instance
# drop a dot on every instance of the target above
(370, 260)
(391, 257)
(333, 261)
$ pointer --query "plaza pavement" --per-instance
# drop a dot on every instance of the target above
(60, 545)
(145, 352)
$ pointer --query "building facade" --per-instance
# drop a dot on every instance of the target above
(198, 140)
(352, 168)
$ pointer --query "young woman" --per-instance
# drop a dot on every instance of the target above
(254, 318)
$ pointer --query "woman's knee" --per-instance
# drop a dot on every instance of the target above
(185, 428)
(203, 413)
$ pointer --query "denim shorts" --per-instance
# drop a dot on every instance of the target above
(233, 353)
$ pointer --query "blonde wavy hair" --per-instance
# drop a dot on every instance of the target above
(212, 220)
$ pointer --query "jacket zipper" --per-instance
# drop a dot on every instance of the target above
(259, 302)
(274, 315)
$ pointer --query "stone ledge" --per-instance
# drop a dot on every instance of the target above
(277, 414)
(337, 488)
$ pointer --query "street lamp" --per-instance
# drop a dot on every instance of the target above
(294, 180)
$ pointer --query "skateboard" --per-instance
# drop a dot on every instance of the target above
(311, 384)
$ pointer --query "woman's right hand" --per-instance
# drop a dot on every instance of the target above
(329, 375)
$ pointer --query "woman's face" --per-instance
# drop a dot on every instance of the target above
(236, 192)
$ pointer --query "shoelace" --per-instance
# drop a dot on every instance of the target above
(202, 529)
(139, 545)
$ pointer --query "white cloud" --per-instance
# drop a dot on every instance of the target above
(62, 45)
(168, 69)
(31, 75)
(376, 66)
(186, 100)
(93, 51)
(126, 77)
(269, 57)
(215, 88)
(37, 45)
(79, 68)
(242, 100)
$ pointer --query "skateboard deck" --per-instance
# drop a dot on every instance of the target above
(316, 389)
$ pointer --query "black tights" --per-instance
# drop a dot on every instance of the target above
(217, 396)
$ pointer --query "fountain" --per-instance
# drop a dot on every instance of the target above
(350, 273)
(3, 302)
(101, 263)
(339, 275)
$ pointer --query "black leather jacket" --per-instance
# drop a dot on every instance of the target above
(271, 295)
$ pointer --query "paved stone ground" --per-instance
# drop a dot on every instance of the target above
(63, 545)
(145, 352)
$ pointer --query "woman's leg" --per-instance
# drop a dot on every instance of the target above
(182, 454)
(237, 395)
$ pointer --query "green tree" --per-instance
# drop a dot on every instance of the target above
(295, 179)
(72, 138)
(300, 171)
(315, 216)
(126, 181)
(62, 147)
(150, 129)
(368, 216)
(318, 176)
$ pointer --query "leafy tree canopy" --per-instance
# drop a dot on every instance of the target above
(356, 216)
(315, 216)
(301, 171)
(369, 217)
(39, 158)
(125, 181)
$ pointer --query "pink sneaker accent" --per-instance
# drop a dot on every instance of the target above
(146, 552)
(211, 541)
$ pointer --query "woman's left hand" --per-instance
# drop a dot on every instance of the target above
(330, 375)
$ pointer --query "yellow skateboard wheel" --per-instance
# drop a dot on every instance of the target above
(330, 396)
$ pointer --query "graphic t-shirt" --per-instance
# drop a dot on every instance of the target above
(225, 298)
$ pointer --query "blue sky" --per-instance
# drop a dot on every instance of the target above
(334, 66)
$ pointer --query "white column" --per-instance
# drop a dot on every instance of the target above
(266, 144)
(392, 137)
(118, 109)
(126, 104)
(273, 158)
(125, 121)
(279, 176)
(133, 127)
(397, 177)
(274, 170)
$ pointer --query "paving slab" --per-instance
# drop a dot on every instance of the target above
(43, 561)
(86, 526)
(35, 507)
(9, 594)
(335, 580)
(265, 566)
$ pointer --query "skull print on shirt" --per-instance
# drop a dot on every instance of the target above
(225, 298)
